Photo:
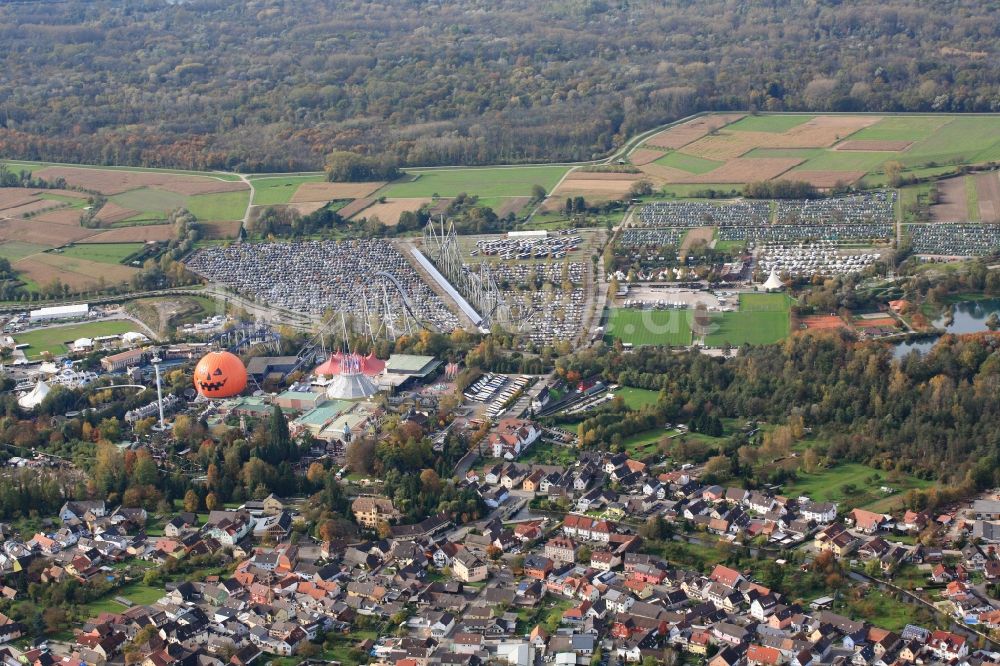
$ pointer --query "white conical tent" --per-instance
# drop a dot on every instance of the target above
(774, 283)
(34, 397)
(351, 386)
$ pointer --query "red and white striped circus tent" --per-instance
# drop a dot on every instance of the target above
(341, 363)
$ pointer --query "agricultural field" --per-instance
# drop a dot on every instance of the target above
(54, 338)
(78, 273)
(273, 190)
(105, 253)
(389, 211)
(14, 250)
(689, 163)
(830, 149)
(483, 182)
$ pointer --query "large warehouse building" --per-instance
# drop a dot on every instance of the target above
(60, 312)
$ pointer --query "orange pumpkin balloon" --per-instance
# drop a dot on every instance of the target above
(220, 375)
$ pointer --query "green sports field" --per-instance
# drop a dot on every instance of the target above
(485, 182)
(650, 327)
(637, 398)
(761, 320)
(778, 123)
(105, 253)
(688, 163)
(53, 339)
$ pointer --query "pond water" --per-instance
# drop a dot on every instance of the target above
(970, 317)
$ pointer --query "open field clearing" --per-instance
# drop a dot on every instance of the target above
(511, 205)
(150, 202)
(32, 208)
(14, 250)
(594, 189)
(67, 216)
(689, 163)
(903, 128)
(664, 174)
(968, 139)
(117, 181)
(873, 144)
(637, 398)
(142, 233)
(271, 190)
(79, 274)
(355, 207)
(223, 206)
(195, 186)
(833, 485)
(484, 182)
(220, 230)
(650, 327)
(54, 339)
(832, 160)
(49, 235)
(952, 205)
(675, 137)
(702, 235)
(988, 188)
(642, 156)
(330, 191)
(12, 197)
(746, 169)
(770, 123)
(389, 211)
(825, 179)
(105, 253)
(112, 213)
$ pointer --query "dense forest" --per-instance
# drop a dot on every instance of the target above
(934, 415)
(275, 85)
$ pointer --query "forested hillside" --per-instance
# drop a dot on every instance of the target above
(275, 85)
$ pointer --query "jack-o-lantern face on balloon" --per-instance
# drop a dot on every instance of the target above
(220, 375)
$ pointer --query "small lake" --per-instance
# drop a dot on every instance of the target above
(970, 317)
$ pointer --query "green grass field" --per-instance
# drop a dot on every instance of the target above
(219, 206)
(14, 250)
(777, 123)
(156, 204)
(221, 175)
(150, 202)
(106, 253)
(136, 592)
(683, 190)
(650, 327)
(637, 398)
(967, 139)
(902, 128)
(972, 198)
(645, 443)
(761, 320)
(689, 163)
(846, 160)
(828, 485)
(53, 339)
(270, 191)
(804, 153)
(485, 182)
